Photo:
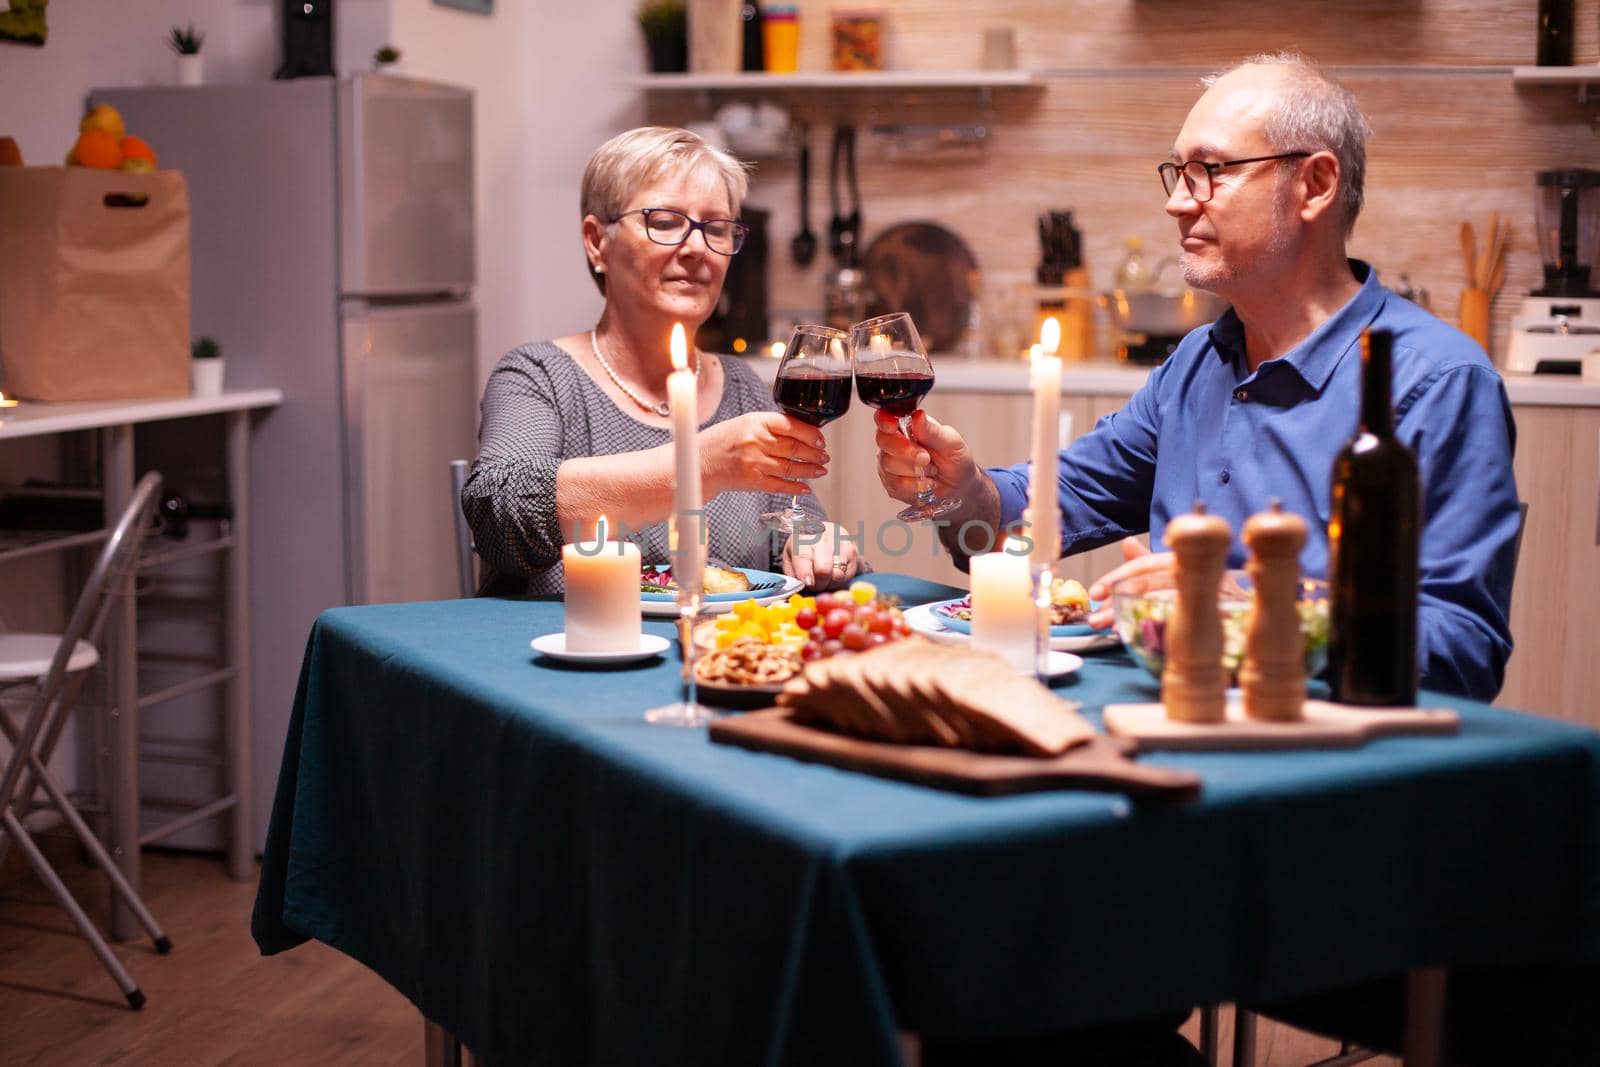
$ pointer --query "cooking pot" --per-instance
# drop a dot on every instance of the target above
(1162, 312)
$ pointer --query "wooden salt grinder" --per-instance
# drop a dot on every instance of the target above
(1273, 676)
(1193, 684)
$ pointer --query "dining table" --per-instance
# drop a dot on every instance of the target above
(507, 841)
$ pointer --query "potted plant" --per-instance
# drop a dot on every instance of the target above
(185, 42)
(386, 57)
(666, 34)
(205, 368)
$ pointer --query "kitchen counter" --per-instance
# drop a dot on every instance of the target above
(1111, 377)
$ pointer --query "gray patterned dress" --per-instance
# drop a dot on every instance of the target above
(540, 408)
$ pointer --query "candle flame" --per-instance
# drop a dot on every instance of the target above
(601, 527)
(1050, 336)
(778, 349)
(680, 348)
(1034, 352)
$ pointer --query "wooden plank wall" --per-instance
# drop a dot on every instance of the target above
(1453, 139)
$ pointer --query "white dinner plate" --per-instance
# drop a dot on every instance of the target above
(555, 646)
(924, 621)
(667, 609)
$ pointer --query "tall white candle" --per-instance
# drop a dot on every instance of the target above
(1003, 614)
(602, 579)
(689, 562)
(1044, 504)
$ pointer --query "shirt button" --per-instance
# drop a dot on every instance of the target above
(1241, 394)
(1222, 479)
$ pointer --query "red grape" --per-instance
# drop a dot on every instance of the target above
(835, 621)
(882, 624)
(826, 602)
(854, 638)
(875, 639)
(805, 618)
(831, 647)
(811, 651)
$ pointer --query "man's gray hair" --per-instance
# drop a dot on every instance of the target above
(1316, 113)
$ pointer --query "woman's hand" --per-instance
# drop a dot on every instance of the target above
(763, 452)
(828, 560)
(1154, 569)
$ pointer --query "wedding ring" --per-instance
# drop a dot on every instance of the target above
(839, 564)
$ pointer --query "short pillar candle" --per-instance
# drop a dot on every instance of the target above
(602, 599)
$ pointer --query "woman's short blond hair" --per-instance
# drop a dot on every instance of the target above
(632, 160)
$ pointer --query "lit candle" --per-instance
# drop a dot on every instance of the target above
(1003, 614)
(1044, 506)
(7, 402)
(602, 577)
(689, 563)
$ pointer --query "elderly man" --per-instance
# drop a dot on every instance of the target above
(1265, 182)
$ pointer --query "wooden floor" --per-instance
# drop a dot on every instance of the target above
(213, 1000)
(216, 1000)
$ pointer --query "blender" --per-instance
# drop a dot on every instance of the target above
(1559, 322)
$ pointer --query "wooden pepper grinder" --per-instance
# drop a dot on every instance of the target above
(1273, 676)
(1193, 684)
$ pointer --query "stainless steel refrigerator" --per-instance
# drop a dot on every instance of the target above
(333, 258)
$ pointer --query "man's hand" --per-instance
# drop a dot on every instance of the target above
(934, 449)
(828, 560)
(1152, 569)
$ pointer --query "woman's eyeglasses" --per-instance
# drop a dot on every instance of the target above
(665, 226)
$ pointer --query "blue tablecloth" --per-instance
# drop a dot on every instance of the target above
(509, 844)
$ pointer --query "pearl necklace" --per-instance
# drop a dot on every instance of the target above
(662, 408)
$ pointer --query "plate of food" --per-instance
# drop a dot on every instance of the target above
(724, 587)
(747, 654)
(950, 621)
(1069, 611)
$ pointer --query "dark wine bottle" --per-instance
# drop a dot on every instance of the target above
(755, 48)
(1373, 538)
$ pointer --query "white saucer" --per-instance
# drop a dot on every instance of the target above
(555, 646)
(1060, 664)
(922, 619)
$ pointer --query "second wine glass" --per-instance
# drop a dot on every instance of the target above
(893, 374)
(813, 385)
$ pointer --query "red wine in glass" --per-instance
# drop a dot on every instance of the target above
(893, 374)
(812, 396)
(899, 393)
(813, 385)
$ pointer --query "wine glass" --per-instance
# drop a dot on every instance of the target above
(813, 385)
(893, 374)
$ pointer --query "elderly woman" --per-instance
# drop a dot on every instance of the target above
(578, 427)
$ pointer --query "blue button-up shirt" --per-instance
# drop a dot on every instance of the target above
(1205, 428)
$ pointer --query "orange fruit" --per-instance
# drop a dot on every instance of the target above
(136, 151)
(97, 148)
(103, 117)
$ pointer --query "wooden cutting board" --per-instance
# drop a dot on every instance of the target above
(1101, 765)
(1326, 725)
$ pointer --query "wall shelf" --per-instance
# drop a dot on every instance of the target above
(867, 80)
(1582, 77)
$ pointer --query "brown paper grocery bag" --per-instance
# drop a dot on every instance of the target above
(94, 284)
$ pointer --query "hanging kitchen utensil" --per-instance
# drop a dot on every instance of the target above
(804, 246)
(843, 230)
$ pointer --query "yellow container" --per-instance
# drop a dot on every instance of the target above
(780, 33)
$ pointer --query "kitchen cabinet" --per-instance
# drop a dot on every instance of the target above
(1555, 604)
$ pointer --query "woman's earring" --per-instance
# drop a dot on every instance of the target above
(599, 268)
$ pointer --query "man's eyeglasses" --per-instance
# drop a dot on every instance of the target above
(665, 226)
(1197, 173)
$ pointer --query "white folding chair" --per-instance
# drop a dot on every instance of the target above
(56, 665)
(464, 571)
